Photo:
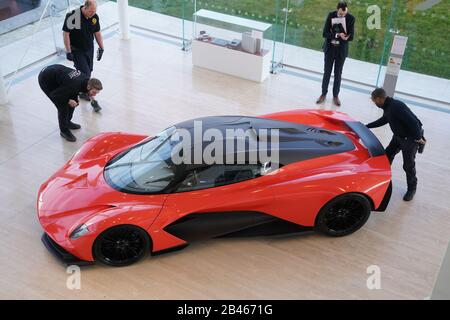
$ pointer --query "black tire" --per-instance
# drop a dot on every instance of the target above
(343, 215)
(121, 246)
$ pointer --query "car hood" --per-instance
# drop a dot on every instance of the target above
(79, 189)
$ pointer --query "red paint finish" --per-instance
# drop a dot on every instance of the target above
(78, 193)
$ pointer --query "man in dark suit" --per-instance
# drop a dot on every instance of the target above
(337, 35)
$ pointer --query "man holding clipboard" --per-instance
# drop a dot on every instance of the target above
(339, 29)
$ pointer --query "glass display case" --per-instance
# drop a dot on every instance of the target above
(232, 45)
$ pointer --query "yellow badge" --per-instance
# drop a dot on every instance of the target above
(94, 20)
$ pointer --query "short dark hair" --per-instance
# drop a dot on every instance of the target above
(94, 83)
(378, 93)
(341, 5)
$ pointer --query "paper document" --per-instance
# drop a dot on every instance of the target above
(393, 67)
(399, 45)
(341, 21)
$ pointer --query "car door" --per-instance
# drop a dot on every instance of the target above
(213, 201)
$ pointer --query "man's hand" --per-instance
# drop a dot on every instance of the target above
(100, 53)
(73, 103)
(420, 141)
(343, 36)
(69, 56)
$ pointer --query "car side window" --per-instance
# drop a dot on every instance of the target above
(218, 175)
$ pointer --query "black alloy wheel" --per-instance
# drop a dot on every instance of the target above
(121, 246)
(343, 215)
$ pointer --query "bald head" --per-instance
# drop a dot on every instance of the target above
(90, 3)
(89, 8)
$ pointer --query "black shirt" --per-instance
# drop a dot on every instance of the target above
(401, 119)
(63, 83)
(81, 29)
(329, 34)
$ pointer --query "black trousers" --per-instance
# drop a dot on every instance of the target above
(83, 60)
(334, 56)
(409, 148)
(65, 112)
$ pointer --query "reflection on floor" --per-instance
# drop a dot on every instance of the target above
(149, 85)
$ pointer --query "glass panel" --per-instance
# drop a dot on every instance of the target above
(304, 40)
(228, 30)
(265, 11)
(428, 50)
(170, 22)
(218, 175)
(146, 168)
(27, 36)
(27, 33)
(426, 24)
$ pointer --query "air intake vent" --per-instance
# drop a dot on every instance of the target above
(317, 130)
(329, 143)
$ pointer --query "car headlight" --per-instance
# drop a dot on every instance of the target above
(79, 231)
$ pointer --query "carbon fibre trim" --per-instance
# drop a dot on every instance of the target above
(368, 138)
(61, 254)
(198, 226)
(387, 197)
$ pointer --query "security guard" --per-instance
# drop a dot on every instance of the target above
(79, 29)
(62, 86)
(408, 135)
(335, 48)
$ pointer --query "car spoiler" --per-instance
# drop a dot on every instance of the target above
(371, 142)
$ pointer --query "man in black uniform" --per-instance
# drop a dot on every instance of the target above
(337, 35)
(408, 135)
(80, 27)
(62, 86)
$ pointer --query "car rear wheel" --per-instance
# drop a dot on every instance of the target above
(343, 215)
(121, 246)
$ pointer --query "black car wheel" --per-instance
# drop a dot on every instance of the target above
(121, 246)
(343, 215)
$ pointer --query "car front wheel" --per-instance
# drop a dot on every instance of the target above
(343, 215)
(121, 246)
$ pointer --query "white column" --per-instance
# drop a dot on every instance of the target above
(3, 96)
(124, 22)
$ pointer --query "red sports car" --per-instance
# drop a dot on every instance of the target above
(121, 195)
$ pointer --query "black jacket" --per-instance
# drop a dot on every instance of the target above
(401, 119)
(63, 83)
(329, 35)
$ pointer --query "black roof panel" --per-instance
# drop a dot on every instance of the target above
(297, 142)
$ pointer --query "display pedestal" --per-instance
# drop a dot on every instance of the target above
(230, 61)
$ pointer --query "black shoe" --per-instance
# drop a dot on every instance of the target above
(74, 126)
(84, 96)
(336, 101)
(409, 195)
(68, 136)
(321, 99)
(95, 105)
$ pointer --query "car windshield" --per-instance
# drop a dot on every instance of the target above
(145, 168)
